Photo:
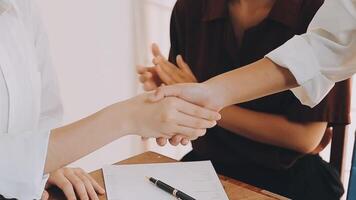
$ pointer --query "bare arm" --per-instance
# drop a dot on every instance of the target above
(257, 126)
(273, 129)
(223, 90)
(253, 81)
(78, 139)
(134, 116)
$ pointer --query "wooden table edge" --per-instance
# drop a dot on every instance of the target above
(150, 157)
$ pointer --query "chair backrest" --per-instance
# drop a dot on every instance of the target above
(351, 195)
(337, 146)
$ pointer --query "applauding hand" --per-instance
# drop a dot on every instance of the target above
(164, 72)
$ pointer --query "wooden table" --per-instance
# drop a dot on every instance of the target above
(235, 190)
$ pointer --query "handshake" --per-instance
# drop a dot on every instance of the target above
(185, 108)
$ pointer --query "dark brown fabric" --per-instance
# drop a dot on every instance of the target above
(201, 31)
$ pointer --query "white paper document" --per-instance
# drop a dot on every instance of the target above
(129, 182)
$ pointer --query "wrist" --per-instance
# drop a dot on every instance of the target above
(217, 94)
(117, 119)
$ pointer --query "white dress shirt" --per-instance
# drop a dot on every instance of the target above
(325, 54)
(29, 100)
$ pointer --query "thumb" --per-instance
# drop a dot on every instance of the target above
(140, 69)
(155, 50)
(45, 195)
(156, 96)
(183, 65)
(165, 91)
(144, 139)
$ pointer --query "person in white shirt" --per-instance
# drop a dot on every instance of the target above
(308, 64)
(33, 151)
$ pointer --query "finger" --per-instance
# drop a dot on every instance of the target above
(185, 67)
(155, 96)
(197, 111)
(184, 142)
(189, 133)
(142, 79)
(144, 138)
(193, 122)
(165, 91)
(95, 184)
(78, 185)
(88, 186)
(175, 141)
(148, 82)
(45, 195)
(141, 69)
(66, 186)
(161, 141)
(149, 86)
(164, 76)
(145, 77)
(169, 68)
(155, 50)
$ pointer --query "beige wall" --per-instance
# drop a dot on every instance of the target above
(93, 51)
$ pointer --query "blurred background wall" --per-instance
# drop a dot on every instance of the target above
(93, 53)
(95, 46)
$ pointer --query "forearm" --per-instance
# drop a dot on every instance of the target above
(256, 80)
(272, 129)
(71, 142)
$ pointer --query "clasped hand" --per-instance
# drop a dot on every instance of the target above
(185, 87)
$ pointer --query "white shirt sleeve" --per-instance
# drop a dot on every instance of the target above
(325, 54)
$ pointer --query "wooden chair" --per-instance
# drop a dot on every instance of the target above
(335, 135)
(352, 183)
(338, 146)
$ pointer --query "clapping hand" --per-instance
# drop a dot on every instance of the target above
(164, 72)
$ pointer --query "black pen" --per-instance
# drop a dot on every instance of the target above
(176, 193)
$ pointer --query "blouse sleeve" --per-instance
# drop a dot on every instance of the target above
(325, 54)
(335, 108)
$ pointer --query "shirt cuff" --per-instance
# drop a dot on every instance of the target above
(298, 57)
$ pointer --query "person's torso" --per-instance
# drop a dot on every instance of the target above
(210, 48)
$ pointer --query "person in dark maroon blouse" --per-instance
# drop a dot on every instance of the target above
(272, 142)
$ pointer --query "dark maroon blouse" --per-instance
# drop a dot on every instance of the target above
(202, 32)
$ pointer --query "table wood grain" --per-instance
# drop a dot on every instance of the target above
(234, 189)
